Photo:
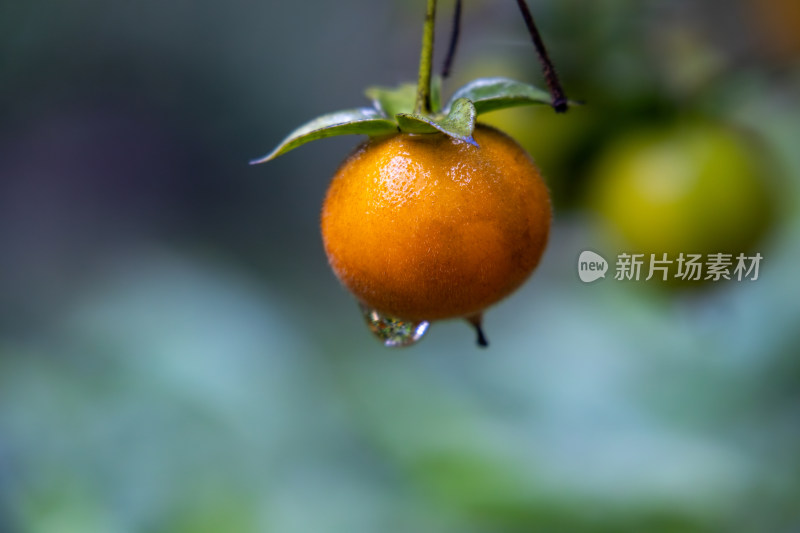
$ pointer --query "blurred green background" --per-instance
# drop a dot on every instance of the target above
(176, 356)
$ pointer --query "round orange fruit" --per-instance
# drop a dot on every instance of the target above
(426, 227)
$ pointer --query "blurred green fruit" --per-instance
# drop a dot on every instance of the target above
(696, 187)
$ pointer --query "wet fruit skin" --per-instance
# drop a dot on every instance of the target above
(425, 227)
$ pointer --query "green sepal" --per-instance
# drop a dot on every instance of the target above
(490, 94)
(436, 94)
(391, 101)
(459, 123)
(402, 99)
(363, 120)
(411, 123)
(393, 109)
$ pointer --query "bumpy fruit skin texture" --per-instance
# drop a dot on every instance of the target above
(424, 227)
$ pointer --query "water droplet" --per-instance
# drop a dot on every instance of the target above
(391, 331)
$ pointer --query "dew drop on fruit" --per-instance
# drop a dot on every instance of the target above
(393, 332)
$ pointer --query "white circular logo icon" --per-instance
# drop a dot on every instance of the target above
(591, 266)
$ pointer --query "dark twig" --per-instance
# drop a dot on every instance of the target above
(477, 323)
(556, 92)
(454, 34)
(482, 341)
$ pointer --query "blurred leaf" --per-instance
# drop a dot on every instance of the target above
(458, 124)
(471, 480)
(363, 120)
(403, 98)
(391, 101)
(436, 93)
(211, 510)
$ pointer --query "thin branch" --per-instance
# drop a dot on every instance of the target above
(454, 34)
(560, 103)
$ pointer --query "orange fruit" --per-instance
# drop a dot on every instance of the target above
(426, 227)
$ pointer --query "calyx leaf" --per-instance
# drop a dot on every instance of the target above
(490, 94)
(363, 120)
(391, 101)
(459, 123)
(393, 109)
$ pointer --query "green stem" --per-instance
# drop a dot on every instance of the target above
(423, 105)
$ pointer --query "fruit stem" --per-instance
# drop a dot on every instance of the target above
(423, 104)
(560, 103)
(477, 323)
